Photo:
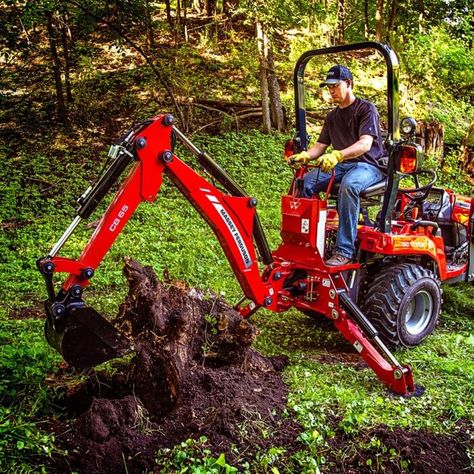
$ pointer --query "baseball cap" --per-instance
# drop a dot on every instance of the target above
(336, 74)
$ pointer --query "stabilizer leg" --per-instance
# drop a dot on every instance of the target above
(398, 377)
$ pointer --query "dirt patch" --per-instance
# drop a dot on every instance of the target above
(194, 374)
(400, 451)
(346, 358)
(34, 312)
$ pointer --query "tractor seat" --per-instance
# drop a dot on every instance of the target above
(371, 191)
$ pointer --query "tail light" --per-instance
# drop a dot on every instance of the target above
(408, 158)
(289, 148)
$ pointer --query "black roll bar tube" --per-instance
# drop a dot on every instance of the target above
(392, 64)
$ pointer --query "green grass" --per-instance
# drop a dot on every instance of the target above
(25, 362)
(169, 234)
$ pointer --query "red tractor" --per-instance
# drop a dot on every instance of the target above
(391, 296)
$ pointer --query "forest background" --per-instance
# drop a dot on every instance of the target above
(75, 75)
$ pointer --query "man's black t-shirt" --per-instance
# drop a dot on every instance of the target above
(343, 127)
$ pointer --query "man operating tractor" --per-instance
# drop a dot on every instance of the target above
(353, 130)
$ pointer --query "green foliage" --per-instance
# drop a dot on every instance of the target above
(439, 81)
(449, 173)
(459, 301)
(22, 443)
(275, 14)
(192, 456)
(25, 359)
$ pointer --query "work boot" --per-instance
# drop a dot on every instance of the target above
(338, 260)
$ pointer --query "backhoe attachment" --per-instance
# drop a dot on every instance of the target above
(295, 275)
(80, 333)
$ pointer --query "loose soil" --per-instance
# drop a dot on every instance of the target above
(195, 373)
(401, 451)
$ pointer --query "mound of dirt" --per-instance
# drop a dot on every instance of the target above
(194, 374)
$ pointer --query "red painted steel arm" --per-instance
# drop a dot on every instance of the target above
(231, 218)
(142, 184)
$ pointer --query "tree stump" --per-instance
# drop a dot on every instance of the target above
(194, 376)
(431, 135)
(175, 330)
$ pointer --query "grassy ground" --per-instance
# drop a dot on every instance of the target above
(330, 393)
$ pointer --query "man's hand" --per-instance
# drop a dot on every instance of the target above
(329, 160)
(299, 159)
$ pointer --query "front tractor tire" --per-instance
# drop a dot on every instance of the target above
(403, 303)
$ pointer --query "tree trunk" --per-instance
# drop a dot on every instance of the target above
(311, 19)
(340, 22)
(277, 115)
(168, 14)
(467, 152)
(66, 38)
(178, 14)
(61, 106)
(392, 18)
(266, 118)
(379, 20)
(366, 19)
(421, 16)
(431, 135)
(210, 7)
(225, 7)
(185, 20)
(149, 27)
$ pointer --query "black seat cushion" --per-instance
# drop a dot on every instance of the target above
(371, 191)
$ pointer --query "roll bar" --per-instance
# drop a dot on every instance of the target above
(391, 61)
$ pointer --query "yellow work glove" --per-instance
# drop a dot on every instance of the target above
(329, 160)
(299, 159)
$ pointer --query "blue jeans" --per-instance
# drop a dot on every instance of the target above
(354, 177)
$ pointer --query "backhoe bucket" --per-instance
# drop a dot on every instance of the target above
(87, 339)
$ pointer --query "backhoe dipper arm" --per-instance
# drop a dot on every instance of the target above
(232, 218)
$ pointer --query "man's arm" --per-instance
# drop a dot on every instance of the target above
(317, 150)
(358, 148)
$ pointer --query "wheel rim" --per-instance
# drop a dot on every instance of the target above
(419, 312)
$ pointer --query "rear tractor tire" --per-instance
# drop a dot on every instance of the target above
(404, 303)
